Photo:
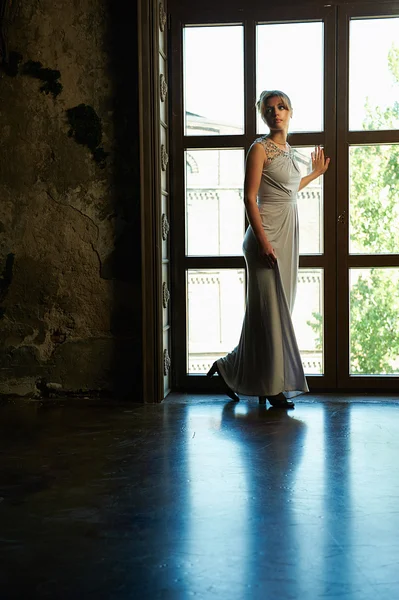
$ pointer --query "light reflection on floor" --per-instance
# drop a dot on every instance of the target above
(218, 506)
(284, 492)
(200, 497)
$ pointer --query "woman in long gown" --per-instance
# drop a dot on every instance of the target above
(266, 363)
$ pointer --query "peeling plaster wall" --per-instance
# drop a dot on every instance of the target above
(69, 229)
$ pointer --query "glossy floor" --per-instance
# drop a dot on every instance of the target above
(200, 497)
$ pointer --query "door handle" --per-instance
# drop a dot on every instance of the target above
(342, 218)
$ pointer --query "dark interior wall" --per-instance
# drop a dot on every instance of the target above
(70, 281)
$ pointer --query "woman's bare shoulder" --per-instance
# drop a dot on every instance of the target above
(258, 147)
(261, 147)
(260, 142)
(267, 147)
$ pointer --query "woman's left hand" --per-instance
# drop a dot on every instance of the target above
(319, 162)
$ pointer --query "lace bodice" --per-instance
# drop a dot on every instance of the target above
(280, 174)
(271, 149)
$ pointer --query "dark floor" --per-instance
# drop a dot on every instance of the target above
(199, 497)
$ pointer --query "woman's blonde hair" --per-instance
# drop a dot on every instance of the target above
(266, 95)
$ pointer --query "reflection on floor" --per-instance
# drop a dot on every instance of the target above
(200, 497)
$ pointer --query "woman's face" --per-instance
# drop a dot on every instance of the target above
(276, 115)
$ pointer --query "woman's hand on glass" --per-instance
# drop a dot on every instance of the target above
(319, 162)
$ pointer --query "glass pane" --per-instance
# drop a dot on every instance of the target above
(308, 320)
(215, 313)
(310, 207)
(374, 319)
(374, 199)
(374, 74)
(214, 202)
(214, 80)
(277, 51)
(216, 304)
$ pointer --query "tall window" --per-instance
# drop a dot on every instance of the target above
(345, 97)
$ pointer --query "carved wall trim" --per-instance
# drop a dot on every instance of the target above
(166, 362)
(165, 295)
(164, 158)
(163, 87)
(162, 17)
(165, 227)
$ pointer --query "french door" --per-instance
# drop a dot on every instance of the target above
(368, 197)
(220, 63)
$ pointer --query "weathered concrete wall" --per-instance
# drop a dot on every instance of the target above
(69, 225)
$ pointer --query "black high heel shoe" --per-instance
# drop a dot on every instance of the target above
(280, 401)
(262, 399)
(214, 369)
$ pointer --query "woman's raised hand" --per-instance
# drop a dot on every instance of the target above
(268, 255)
(319, 162)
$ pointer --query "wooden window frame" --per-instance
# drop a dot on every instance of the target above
(345, 139)
(336, 138)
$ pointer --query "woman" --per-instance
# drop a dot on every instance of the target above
(266, 363)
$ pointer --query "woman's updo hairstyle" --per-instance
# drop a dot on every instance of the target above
(266, 95)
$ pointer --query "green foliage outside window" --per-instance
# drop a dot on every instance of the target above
(374, 226)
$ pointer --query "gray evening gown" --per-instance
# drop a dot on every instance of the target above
(267, 360)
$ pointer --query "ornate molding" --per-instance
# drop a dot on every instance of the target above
(203, 279)
(309, 278)
(310, 194)
(162, 17)
(165, 295)
(191, 163)
(166, 362)
(163, 87)
(164, 158)
(165, 227)
(203, 195)
(209, 194)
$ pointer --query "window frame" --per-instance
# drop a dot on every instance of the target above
(336, 139)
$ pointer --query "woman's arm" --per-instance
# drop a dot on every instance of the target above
(319, 167)
(253, 175)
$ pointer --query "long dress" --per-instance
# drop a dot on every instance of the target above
(267, 360)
